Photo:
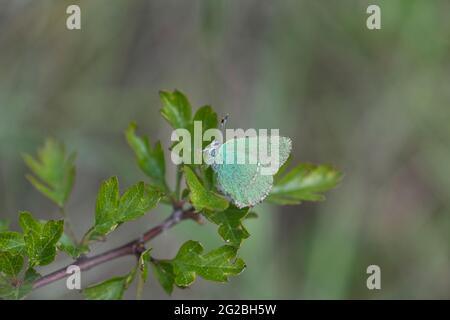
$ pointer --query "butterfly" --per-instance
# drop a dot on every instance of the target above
(248, 183)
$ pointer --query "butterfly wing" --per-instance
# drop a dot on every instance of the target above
(240, 178)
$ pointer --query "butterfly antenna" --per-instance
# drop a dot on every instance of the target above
(223, 123)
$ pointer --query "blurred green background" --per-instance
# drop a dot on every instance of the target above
(376, 104)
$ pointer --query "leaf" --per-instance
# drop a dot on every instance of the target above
(305, 182)
(40, 238)
(106, 217)
(54, 171)
(208, 117)
(12, 242)
(200, 197)
(10, 263)
(12, 289)
(230, 224)
(150, 160)
(67, 245)
(4, 225)
(112, 289)
(111, 210)
(176, 109)
(164, 273)
(136, 201)
(216, 265)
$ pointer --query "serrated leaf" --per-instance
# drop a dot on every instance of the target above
(67, 245)
(176, 109)
(111, 210)
(112, 289)
(11, 288)
(306, 182)
(40, 238)
(208, 117)
(4, 225)
(230, 224)
(106, 217)
(10, 263)
(136, 201)
(216, 265)
(12, 242)
(150, 160)
(164, 273)
(201, 198)
(54, 171)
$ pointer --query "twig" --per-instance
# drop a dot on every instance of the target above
(131, 248)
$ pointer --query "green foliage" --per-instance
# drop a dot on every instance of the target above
(200, 197)
(14, 289)
(12, 241)
(150, 160)
(305, 182)
(163, 271)
(217, 265)
(144, 259)
(112, 289)
(40, 238)
(54, 171)
(10, 263)
(230, 224)
(54, 174)
(67, 245)
(111, 209)
(176, 109)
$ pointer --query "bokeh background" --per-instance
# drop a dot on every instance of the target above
(376, 104)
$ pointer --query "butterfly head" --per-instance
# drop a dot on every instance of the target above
(210, 152)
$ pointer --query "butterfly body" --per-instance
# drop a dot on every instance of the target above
(240, 169)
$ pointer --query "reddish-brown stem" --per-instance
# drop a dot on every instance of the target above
(134, 247)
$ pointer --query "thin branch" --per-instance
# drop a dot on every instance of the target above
(134, 247)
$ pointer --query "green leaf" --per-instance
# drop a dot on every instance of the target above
(106, 217)
(67, 245)
(230, 224)
(10, 263)
(12, 242)
(54, 171)
(40, 238)
(150, 160)
(201, 198)
(136, 201)
(4, 225)
(176, 109)
(305, 182)
(216, 265)
(112, 289)
(111, 210)
(11, 288)
(208, 117)
(163, 271)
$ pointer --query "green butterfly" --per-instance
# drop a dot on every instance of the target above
(239, 170)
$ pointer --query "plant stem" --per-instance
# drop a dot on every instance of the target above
(131, 248)
(178, 183)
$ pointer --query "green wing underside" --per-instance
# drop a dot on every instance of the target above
(244, 183)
